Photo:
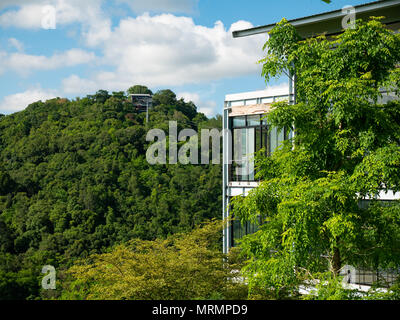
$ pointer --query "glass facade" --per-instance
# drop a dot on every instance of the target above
(239, 122)
(243, 150)
(250, 134)
(239, 230)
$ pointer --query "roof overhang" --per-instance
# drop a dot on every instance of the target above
(330, 23)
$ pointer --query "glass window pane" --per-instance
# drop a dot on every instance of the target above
(259, 143)
(252, 228)
(283, 98)
(266, 141)
(236, 226)
(239, 230)
(253, 120)
(249, 156)
(276, 138)
(243, 158)
(239, 122)
(281, 137)
(251, 102)
(243, 155)
(267, 100)
(263, 120)
(273, 140)
(237, 103)
(237, 145)
(290, 134)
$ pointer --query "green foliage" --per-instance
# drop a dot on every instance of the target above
(74, 181)
(393, 293)
(138, 89)
(331, 288)
(165, 97)
(345, 148)
(18, 285)
(183, 266)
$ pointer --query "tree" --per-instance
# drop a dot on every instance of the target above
(345, 150)
(139, 89)
(74, 181)
(165, 97)
(183, 266)
(6, 184)
(101, 96)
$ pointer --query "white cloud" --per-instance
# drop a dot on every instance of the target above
(282, 87)
(28, 16)
(3, 55)
(31, 14)
(182, 6)
(19, 101)
(166, 50)
(15, 43)
(8, 3)
(206, 107)
(24, 64)
(160, 50)
(95, 23)
(154, 50)
(75, 85)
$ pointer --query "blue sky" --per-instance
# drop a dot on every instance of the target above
(182, 45)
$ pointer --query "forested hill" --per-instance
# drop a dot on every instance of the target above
(74, 180)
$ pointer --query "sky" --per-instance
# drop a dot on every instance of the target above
(72, 48)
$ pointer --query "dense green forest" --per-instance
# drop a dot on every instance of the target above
(74, 181)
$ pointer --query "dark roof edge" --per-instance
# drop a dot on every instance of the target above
(317, 17)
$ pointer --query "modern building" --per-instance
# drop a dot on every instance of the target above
(142, 103)
(245, 130)
(330, 23)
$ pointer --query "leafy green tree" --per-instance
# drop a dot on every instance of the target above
(165, 97)
(74, 181)
(139, 89)
(101, 96)
(119, 95)
(6, 184)
(17, 285)
(183, 266)
(345, 150)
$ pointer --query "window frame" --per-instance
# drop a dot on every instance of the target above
(264, 132)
